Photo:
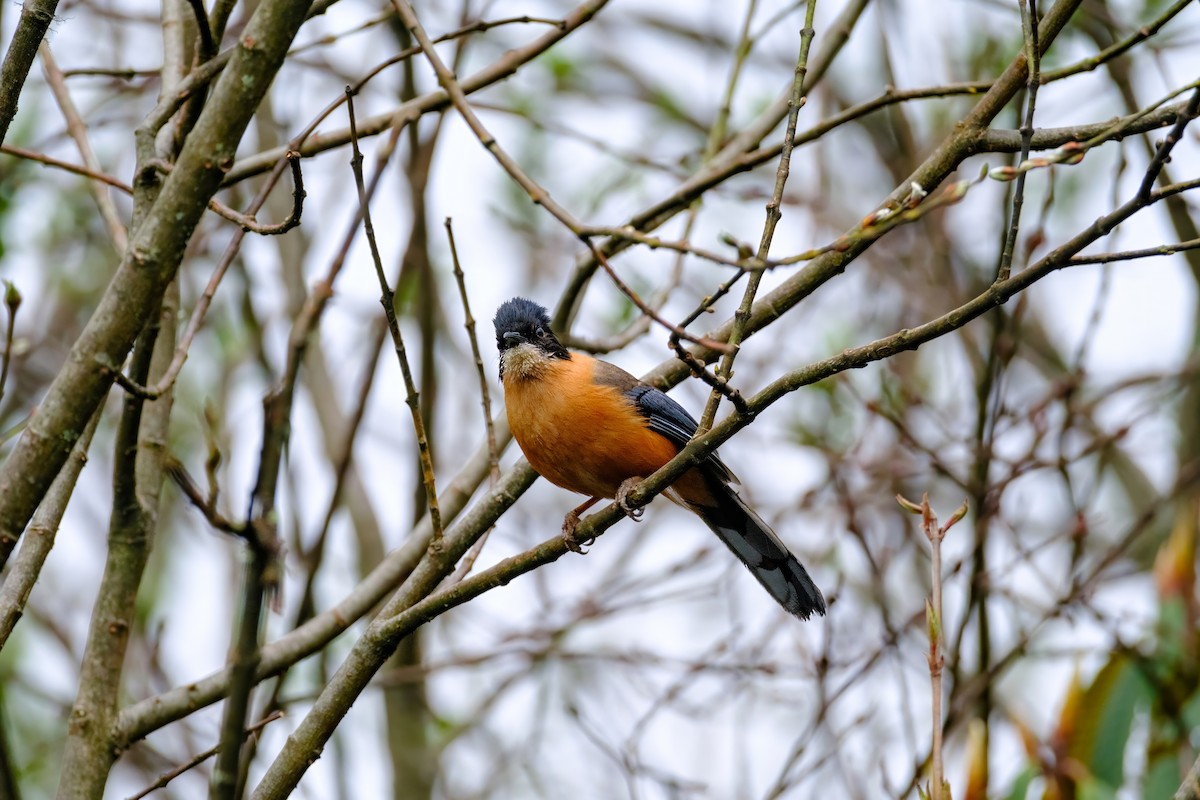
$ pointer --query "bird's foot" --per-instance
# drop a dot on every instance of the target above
(623, 491)
(569, 527)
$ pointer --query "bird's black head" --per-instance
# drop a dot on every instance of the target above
(523, 335)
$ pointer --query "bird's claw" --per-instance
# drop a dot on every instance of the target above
(623, 491)
(569, 527)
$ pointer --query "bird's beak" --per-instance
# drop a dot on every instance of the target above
(512, 337)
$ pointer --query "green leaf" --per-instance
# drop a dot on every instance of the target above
(1105, 716)
(1020, 787)
(1162, 776)
(1095, 790)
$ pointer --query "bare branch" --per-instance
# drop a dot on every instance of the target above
(149, 264)
(388, 300)
(36, 16)
(200, 758)
(78, 131)
(725, 372)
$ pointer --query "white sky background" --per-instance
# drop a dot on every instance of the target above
(730, 737)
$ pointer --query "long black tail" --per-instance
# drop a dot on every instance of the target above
(752, 541)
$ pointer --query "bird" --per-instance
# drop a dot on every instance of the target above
(590, 427)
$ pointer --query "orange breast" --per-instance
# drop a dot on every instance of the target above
(582, 436)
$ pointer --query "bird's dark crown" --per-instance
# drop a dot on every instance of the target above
(520, 321)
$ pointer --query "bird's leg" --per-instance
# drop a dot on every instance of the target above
(623, 491)
(571, 522)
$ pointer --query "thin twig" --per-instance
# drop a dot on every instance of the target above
(1139, 35)
(200, 758)
(106, 72)
(646, 309)
(313, 556)
(261, 578)
(940, 790)
(210, 290)
(432, 102)
(36, 16)
(469, 324)
(388, 299)
(12, 302)
(700, 447)
(205, 504)
(1163, 152)
(536, 192)
(1128, 255)
(468, 560)
(681, 246)
(479, 26)
(247, 221)
(50, 161)
(251, 225)
(39, 539)
(697, 367)
(937, 659)
(742, 315)
(716, 382)
(79, 133)
(458, 97)
(1029, 26)
(244, 220)
(208, 47)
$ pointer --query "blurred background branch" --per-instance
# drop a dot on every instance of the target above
(904, 326)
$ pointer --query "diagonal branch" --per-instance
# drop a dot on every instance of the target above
(1029, 28)
(1163, 152)
(36, 16)
(395, 628)
(388, 300)
(78, 131)
(795, 101)
(147, 267)
(495, 72)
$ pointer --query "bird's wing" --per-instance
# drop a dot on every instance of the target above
(662, 414)
(666, 417)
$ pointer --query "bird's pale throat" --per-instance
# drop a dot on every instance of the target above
(524, 362)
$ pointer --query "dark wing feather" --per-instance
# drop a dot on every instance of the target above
(757, 546)
(664, 416)
(750, 539)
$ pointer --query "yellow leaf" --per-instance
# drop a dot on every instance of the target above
(977, 761)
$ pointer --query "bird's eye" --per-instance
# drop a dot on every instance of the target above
(540, 332)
